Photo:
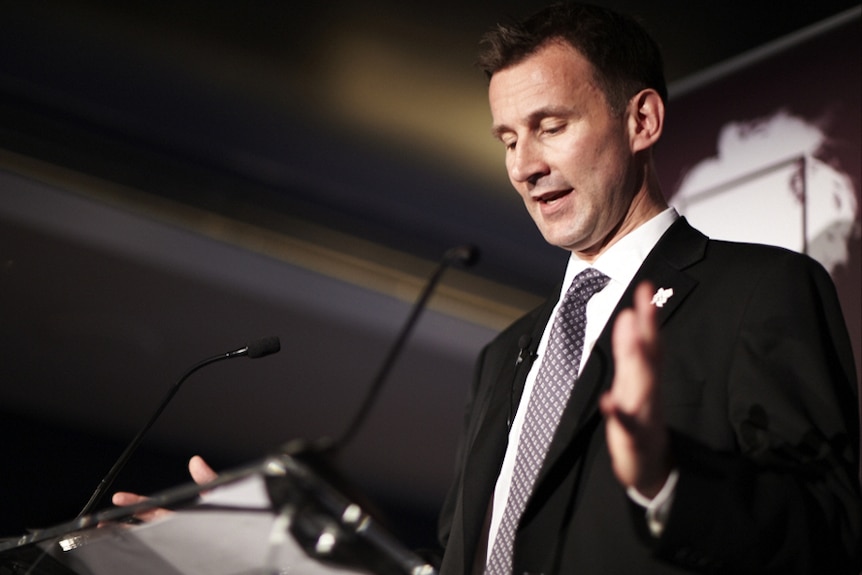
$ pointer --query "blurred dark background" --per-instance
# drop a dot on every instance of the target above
(180, 178)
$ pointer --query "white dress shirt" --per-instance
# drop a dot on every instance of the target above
(620, 263)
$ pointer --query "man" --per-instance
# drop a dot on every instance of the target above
(733, 448)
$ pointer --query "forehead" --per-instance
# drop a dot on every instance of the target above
(555, 75)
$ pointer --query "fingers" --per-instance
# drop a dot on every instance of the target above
(124, 499)
(647, 328)
(636, 432)
(200, 471)
(634, 343)
(627, 362)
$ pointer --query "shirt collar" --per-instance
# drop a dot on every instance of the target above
(622, 260)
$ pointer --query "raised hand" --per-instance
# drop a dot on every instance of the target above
(201, 474)
(637, 436)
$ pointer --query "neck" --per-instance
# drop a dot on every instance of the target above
(646, 203)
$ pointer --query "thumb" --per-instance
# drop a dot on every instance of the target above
(200, 471)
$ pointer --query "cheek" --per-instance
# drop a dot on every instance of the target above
(610, 167)
(574, 159)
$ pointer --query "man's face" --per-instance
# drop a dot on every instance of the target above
(568, 155)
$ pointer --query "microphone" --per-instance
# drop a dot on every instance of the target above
(260, 348)
(524, 352)
(465, 255)
(523, 345)
(314, 515)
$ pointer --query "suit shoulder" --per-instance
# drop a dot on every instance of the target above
(752, 253)
(683, 245)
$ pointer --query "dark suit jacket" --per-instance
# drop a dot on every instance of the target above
(759, 390)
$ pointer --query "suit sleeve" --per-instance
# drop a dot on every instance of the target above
(787, 498)
(447, 511)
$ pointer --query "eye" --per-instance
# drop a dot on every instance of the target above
(551, 129)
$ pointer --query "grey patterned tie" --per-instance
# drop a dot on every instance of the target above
(551, 391)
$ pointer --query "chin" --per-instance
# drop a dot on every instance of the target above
(558, 243)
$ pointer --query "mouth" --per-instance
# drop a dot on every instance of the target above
(551, 197)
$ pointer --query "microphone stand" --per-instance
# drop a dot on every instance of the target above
(467, 256)
(257, 349)
(313, 511)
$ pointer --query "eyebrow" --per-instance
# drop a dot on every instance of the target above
(498, 131)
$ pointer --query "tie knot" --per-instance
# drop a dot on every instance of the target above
(586, 284)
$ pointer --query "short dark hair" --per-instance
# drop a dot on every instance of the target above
(624, 56)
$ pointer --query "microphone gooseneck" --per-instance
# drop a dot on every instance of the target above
(260, 348)
(465, 255)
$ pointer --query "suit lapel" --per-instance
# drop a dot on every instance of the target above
(538, 330)
(489, 441)
(681, 246)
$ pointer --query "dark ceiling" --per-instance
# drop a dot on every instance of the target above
(179, 178)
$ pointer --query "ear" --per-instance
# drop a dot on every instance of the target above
(646, 119)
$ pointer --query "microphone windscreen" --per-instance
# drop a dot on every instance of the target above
(263, 347)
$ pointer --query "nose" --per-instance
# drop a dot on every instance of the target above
(526, 162)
